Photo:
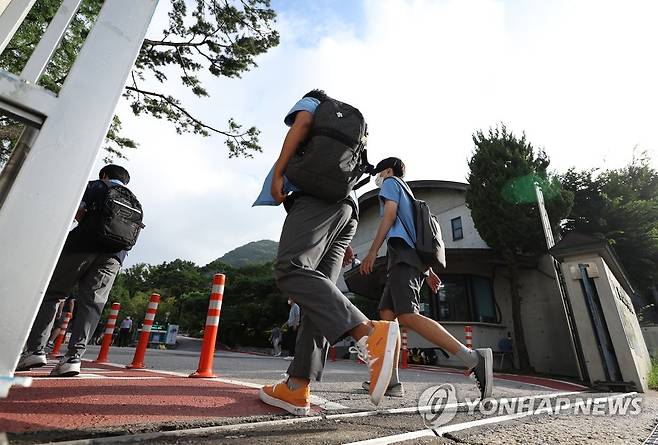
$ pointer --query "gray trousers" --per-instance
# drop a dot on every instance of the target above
(94, 274)
(313, 242)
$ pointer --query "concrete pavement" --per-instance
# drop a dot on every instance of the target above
(111, 401)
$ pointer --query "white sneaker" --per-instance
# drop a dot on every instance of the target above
(31, 360)
(69, 366)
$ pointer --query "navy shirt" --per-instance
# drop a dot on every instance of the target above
(77, 241)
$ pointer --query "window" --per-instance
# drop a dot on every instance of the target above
(457, 231)
(483, 306)
(465, 298)
(453, 299)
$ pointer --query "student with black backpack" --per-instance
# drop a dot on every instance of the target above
(323, 156)
(109, 222)
(414, 250)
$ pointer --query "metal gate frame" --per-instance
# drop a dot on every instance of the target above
(51, 164)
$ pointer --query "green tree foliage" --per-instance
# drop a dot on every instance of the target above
(216, 37)
(503, 171)
(620, 205)
(252, 303)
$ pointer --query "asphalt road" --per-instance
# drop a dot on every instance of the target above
(344, 420)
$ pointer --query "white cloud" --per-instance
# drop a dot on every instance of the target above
(578, 77)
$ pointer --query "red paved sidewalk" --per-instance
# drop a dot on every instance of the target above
(106, 396)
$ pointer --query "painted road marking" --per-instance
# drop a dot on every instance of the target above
(415, 409)
(474, 423)
(132, 438)
(500, 376)
(653, 437)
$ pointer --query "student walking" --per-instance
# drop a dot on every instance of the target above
(294, 318)
(314, 239)
(275, 338)
(406, 273)
(110, 218)
(124, 331)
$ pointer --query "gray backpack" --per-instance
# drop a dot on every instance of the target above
(429, 240)
(331, 161)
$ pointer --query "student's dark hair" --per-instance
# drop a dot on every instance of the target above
(115, 172)
(396, 164)
(317, 94)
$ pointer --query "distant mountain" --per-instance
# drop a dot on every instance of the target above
(255, 252)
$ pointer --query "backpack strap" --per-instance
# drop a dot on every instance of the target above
(405, 187)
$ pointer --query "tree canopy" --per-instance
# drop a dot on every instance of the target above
(252, 303)
(221, 38)
(620, 205)
(501, 196)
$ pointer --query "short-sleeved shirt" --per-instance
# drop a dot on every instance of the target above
(127, 323)
(310, 104)
(294, 315)
(76, 240)
(403, 226)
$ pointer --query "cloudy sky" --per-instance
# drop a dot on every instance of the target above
(579, 77)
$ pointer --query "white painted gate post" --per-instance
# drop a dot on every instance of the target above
(41, 200)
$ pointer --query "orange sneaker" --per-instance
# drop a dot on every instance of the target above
(294, 401)
(382, 344)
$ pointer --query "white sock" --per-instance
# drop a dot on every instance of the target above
(468, 356)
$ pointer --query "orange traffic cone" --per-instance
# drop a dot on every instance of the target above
(212, 326)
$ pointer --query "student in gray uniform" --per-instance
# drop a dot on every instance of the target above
(405, 276)
(314, 239)
(85, 263)
(294, 318)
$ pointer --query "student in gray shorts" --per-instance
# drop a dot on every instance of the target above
(405, 276)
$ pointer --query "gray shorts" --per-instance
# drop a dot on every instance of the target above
(404, 279)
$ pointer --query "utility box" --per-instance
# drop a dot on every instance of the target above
(607, 328)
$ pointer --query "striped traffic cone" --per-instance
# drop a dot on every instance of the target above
(468, 332)
(62, 334)
(140, 351)
(212, 326)
(109, 331)
(332, 353)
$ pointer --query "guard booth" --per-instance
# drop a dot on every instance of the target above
(43, 181)
(608, 331)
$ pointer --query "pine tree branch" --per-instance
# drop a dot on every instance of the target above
(186, 113)
(153, 43)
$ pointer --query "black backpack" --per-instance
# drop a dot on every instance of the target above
(429, 240)
(331, 161)
(116, 220)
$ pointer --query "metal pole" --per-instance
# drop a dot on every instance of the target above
(574, 339)
(50, 40)
(11, 19)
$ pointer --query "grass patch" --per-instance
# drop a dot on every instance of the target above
(653, 377)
